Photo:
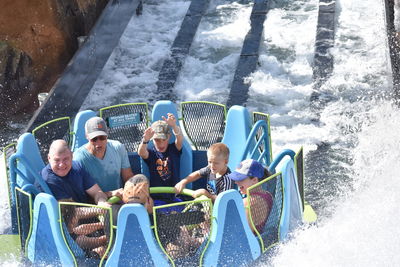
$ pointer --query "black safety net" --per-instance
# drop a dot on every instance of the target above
(299, 164)
(87, 230)
(46, 133)
(266, 201)
(126, 123)
(204, 123)
(183, 230)
(24, 214)
(259, 116)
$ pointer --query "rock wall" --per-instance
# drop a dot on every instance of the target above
(37, 40)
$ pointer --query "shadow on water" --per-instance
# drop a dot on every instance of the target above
(328, 176)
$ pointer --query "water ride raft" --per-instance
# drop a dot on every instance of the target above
(193, 232)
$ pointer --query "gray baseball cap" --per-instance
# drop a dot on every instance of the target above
(161, 130)
(95, 126)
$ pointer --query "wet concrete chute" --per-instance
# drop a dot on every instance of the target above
(69, 92)
(248, 60)
(179, 50)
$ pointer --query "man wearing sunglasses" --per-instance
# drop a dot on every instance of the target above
(106, 160)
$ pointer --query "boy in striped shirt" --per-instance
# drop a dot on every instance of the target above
(216, 174)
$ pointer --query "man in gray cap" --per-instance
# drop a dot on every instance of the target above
(106, 160)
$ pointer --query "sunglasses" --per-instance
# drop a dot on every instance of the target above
(101, 138)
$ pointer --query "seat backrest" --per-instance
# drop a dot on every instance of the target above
(135, 244)
(28, 147)
(26, 164)
(161, 108)
(237, 129)
(79, 128)
(232, 243)
(46, 245)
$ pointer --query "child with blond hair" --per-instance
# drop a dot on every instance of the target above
(215, 173)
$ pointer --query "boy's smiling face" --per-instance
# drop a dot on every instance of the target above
(217, 163)
(161, 144)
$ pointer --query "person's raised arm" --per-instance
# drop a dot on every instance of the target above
(190, 178)
(142, 150)
(172, 122)
(99, 197)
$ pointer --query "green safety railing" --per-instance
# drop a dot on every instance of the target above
(258, 213)
(91, 215)
(47, 132)
(24, 207)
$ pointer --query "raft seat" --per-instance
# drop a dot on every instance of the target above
(161, 108)
(79, 138)
(232, 243)
(25, 166)
(135, 244)
(237, 130)
(46, 245)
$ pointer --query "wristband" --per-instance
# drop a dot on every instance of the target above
(145, 142)
(179, 131)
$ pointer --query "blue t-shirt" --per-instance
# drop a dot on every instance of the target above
(73, 185)
(106, 171)
(164, 166)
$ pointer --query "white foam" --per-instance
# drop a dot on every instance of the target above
(363, 230)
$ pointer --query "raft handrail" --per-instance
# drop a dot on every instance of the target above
(278, 159)
(253, 145)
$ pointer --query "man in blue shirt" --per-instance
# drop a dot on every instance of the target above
(68, 180)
